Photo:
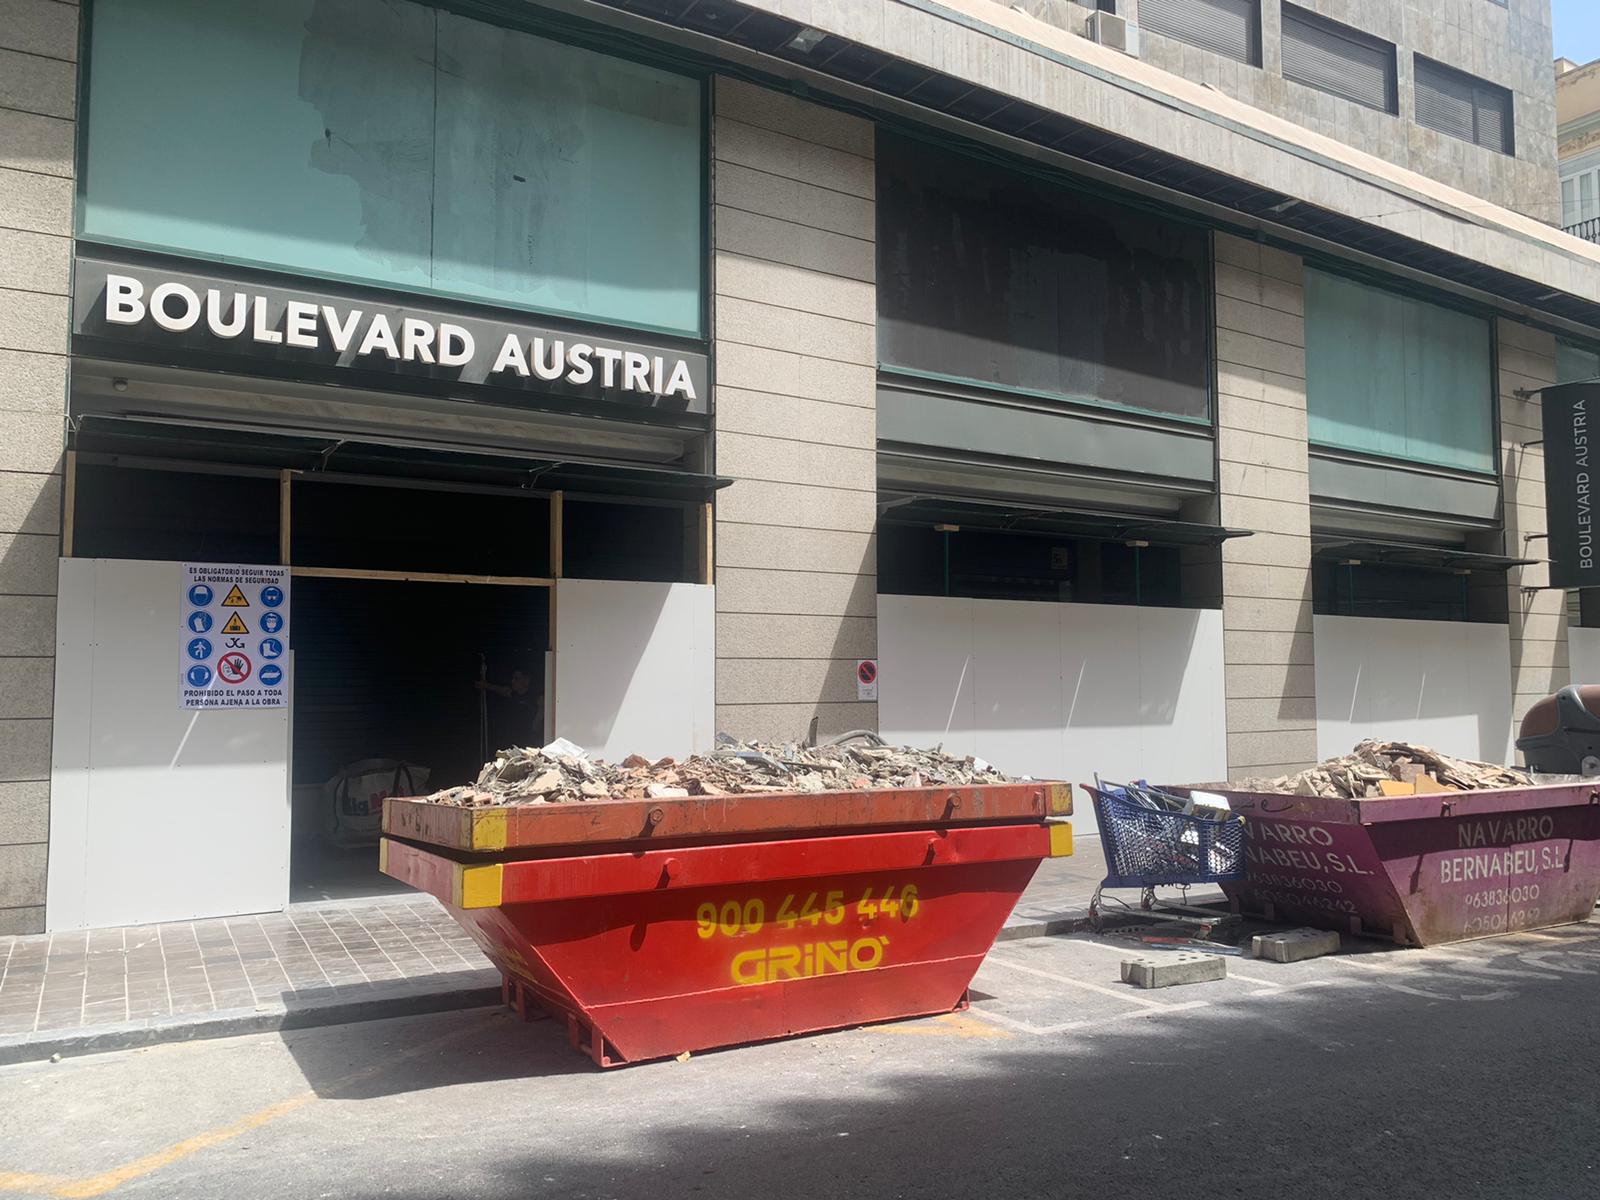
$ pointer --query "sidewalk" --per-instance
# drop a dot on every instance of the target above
(314, 964)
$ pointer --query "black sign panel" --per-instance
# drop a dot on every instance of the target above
(1570, 414)
(215, 318)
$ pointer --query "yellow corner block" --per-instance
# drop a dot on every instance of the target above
(1060, 799)
(383, 856)
(1060, 839)
(489, 829)
(477, 887)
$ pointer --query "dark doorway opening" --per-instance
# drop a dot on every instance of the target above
(386, 700)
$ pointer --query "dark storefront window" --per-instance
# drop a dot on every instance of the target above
(396, 528)
(1407, 593)
(993, 276)
(918, 560)
(613, 539)
(389, 143)
(174, 516)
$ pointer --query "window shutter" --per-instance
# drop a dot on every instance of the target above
(1463, 107)
(1444, 101)
(1493, 109)
(1319, 54)
(1226, 27)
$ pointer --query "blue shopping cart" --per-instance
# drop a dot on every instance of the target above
(1153, 837)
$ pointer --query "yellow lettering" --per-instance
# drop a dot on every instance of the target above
(808, 960)
(867, 953)
(783, 962)
(833, 957)
(750, 967)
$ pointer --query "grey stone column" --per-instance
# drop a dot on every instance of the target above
(794, 326)
(1538, 618)
(1264, 486)
(38, 88)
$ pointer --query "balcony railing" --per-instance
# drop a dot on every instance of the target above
(1588, 230)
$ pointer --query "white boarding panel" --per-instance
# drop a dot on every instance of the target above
(635, 667)
(925, 665)
(1445, 684)
(1062, 691)
(164, 813)
(1583, 648)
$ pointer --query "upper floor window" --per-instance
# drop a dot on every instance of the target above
(1580, 195)
(1463, 106)
(1396, 376)
(388, 143)
(1339, 60)
(1002, 278)
(1575, 363)
(1228, 27)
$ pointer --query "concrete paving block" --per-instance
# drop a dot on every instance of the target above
(1170, 970)
(1293, 945)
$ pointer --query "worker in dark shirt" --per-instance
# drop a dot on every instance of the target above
(516, 710)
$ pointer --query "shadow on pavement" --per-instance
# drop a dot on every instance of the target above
(1345, 1091)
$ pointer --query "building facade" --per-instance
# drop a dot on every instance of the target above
(1578, 146)
(1144, 392)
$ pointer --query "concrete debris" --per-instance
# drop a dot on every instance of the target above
(561, 773)
(1373, 769)
(1173, 970)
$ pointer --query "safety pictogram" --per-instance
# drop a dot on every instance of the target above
(233, 619)
(233, 668)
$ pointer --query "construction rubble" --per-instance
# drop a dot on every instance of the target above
(562, 773)
(1388, 769)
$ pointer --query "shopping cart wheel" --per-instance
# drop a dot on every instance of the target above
(1147, 898)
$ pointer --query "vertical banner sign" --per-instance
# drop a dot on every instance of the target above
(233, 636)
(1569, 478)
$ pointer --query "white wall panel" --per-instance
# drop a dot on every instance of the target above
(159, 813)
(1446, 684)
(1061, 691)
(1583, 649)
(635, 667)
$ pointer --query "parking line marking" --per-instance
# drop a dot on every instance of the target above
(1093, 987)
(99, 1185)
(949, 1025)
(1089, 1023)
(22, 1181)
(107, 1181)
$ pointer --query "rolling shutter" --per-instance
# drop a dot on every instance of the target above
(1227, 27)
(1336, 60)
(1455, 103)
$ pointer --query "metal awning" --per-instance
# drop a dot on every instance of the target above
(903, 509)
(152, 440)
(1413, 554)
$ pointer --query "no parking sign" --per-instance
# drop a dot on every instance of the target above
(866, 679)
(232, 621)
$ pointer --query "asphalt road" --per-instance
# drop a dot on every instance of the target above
(1466, 1071)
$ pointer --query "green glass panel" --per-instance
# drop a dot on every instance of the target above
(390, 143)
(1393, 375)
(1574, 363)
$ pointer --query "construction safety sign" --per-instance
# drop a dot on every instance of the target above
(232, 622)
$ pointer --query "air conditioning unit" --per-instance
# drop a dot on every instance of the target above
(1117, 33)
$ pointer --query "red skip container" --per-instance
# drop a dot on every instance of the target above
(659, 926)
(1439, 867)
